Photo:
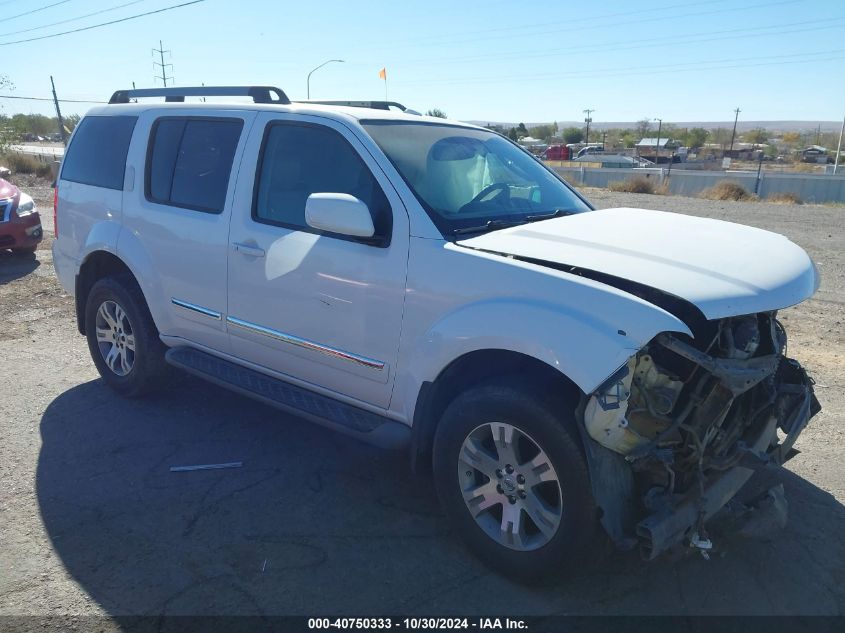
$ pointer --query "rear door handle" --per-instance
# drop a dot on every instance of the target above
(246, 249)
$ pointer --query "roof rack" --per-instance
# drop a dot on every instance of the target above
(259, 94)
(376, 105)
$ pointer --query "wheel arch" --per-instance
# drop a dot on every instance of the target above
(97, 265)
(468, 370)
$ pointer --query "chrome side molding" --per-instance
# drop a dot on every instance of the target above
(195, 308)
(306, 344)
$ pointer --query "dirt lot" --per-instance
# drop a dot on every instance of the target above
(93, 522)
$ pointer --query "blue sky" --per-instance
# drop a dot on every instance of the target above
(490, 60)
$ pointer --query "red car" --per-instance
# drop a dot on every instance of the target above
(20, 224)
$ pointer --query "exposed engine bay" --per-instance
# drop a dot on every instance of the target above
(693, 418)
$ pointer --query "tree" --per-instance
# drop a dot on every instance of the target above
(643, 128)
(757, 137)
(437, 112)
(695, 137)
(71, 121)
(521, 130)
(513, 134)
(573, 135)
(543, 132)
(792, 139)
(722, 136)
(6, 129)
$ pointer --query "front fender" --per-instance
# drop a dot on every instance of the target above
(577, 342)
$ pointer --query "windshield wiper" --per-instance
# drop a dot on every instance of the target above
(557, 213)
(490, 225)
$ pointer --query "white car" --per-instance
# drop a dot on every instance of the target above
(428, 285)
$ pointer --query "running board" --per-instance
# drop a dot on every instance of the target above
(339, 416)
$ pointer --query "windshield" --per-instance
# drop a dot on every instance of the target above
(467, 178)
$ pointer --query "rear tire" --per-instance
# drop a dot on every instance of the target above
(122, 337)
(533, 506)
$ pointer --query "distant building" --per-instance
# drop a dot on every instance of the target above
(649, 148)
(814, 154)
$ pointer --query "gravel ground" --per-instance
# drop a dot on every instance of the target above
(93, 523)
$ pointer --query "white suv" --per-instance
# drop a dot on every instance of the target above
(428, 285)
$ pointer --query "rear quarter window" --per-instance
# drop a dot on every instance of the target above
(97, 154)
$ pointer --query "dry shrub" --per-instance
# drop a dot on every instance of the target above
(785, 197)
(726, 191)
(638, 184)
(23, 164)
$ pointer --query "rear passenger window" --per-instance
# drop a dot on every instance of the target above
(97, 155)
(189, 162)
(299, 159)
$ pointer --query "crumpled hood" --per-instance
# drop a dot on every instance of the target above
(724, 269)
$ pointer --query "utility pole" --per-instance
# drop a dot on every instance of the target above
(160, 50)
(819, 134)
(588, 120)
(58, 112)
(733, 134)
(839, 147)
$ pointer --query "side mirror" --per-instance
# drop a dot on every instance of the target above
(339, 213)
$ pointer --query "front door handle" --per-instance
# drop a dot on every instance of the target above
(246, 249)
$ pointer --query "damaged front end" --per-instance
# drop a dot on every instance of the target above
(685, 424)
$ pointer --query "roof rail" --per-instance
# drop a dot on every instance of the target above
(376, 105)
(259, 94)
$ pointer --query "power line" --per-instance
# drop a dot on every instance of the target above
(695, 38)
(640, 70)
(20, 15)
(556, 31)
(566, 22)
(50, 99)
(81, 17)
(96, 26)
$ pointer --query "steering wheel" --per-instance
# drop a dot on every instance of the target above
(484, 194)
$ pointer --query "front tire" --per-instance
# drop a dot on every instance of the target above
(513, 480)
(122, 338)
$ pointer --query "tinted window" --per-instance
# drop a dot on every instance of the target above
(190, 161)
(97, 155)
(299, 160)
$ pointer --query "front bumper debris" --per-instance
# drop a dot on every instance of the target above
(676, 432)
(683, 519)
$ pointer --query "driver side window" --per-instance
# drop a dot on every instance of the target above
(298, 159)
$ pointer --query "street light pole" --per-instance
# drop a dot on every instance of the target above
(657, 146)
(308, 80)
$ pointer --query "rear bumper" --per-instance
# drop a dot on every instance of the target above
(24, 232)
(796, 404)
(66, 269)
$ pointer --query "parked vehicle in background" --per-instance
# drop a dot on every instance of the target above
(590, 149)
(556, 152)
(429, 285)
(20, 223)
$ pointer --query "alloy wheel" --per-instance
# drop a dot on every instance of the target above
(510, 486)
(115, 338)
